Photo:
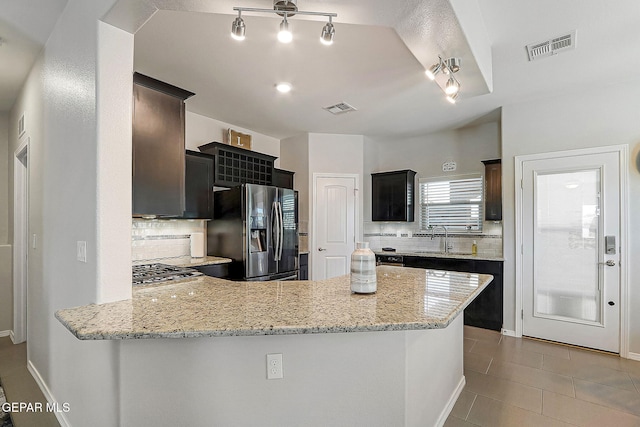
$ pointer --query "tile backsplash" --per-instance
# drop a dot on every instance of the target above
(407, 237)
(152, 240)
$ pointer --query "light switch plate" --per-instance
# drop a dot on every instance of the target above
(81, 251)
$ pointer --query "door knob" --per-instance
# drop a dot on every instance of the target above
(609, 263)
(321, 249)
(611, 303)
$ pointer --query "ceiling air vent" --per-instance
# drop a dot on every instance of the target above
(552, 46)
(340, 108)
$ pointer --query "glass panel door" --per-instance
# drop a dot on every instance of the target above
(567, 223)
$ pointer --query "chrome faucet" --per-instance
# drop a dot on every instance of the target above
(446, 236)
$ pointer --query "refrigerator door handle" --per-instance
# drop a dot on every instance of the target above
(275, 230)
(281, 230)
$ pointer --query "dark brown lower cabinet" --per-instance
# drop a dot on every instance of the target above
(303, 273)
(486, 310)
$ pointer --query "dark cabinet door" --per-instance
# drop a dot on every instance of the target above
(485, 311)
(282, 178)
(303, 273)
(158, 147)
(392, 196)
(198, 185)
(493, 190)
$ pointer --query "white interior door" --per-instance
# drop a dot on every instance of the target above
(571, 249)
(20, 241)
(334, 226)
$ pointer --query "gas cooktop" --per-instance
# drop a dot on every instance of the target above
(147, 274)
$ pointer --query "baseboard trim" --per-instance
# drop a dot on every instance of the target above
(452, 401)
(5, 333)
(47, 393)
(509, 333)
(13, 337)
(634, 356)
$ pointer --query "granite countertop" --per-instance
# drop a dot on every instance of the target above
(406, 299)
(455, 255)
(187, 261)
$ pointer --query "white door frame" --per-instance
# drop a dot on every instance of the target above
(314, 209)
(623, 155)
(20, 240)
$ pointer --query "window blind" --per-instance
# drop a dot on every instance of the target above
(455, 203)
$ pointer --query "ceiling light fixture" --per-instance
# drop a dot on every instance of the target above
(450, 86)
(286, 9)
(283, 87)
(238, 28)
(328, 31)
(284, 35)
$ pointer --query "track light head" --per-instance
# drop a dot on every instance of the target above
(452, 86)
(452, 98)
(238, 28)
(453, 64)
(433, 71)
(284, 35)
(328, 32)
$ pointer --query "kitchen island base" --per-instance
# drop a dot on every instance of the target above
(391, 378)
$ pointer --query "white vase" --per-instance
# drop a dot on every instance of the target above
(363, 269)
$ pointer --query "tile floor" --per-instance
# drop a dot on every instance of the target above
(528, 383)
(19, 385)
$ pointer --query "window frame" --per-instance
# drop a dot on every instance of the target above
(477, 227)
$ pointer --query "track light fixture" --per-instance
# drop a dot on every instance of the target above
(328, 31)
(451, 87)
(286, 9)
(238, 28)
(284, 35)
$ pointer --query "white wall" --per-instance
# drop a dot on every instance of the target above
(4, 179)
(60, 105)
(604, 115)
(6, 292)
(31, 103)
(294, 156)
(425, 154)
(114, 110)
(202, 130)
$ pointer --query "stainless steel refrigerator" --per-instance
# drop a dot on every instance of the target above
(257, 227)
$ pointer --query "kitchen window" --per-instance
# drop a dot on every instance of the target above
(453, 202)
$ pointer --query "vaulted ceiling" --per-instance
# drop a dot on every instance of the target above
(376, 64)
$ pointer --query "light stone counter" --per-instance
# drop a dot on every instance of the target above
(407, 299)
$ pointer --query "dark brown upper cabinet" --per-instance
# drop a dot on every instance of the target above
(198, 185)
(235, 166)
(492, 190)
(282, 178)
(393, 196)
(158, 148)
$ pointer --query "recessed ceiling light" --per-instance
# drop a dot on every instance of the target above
(283, 87)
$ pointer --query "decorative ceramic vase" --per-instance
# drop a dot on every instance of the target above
(363, 269)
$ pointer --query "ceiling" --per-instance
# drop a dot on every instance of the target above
(376, 64)
(25, 26)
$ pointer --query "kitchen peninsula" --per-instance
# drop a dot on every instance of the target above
(390, 358)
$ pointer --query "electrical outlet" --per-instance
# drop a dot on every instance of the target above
(274, 366)
(81, 251)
